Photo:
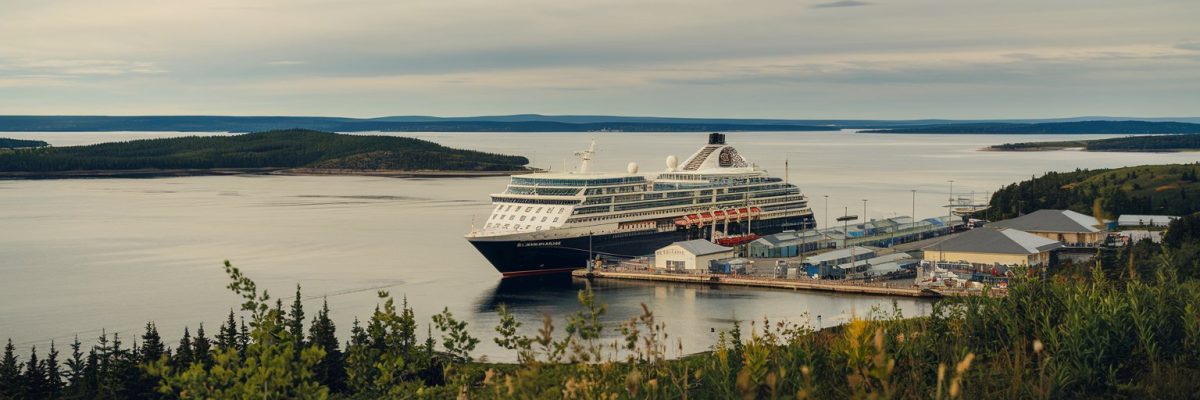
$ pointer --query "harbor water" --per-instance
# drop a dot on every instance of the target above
(85, 255)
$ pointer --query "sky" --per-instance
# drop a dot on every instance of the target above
(853, 59)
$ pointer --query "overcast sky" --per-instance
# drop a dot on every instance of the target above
(701, 58)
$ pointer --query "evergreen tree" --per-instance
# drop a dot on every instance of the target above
(34, 377)
(152, 346)
(227, 337)
(75, 367)
(53, 371)
(295, 323)
(201, 348)
(10, 373)
(267, 370)
(91, 376)
(323, 334)
(183, 356)
(243, 337)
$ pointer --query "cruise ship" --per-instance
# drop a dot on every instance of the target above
(556, 222)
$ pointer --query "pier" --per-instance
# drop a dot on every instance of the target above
(794, 284)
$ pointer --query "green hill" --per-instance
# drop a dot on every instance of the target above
(272, 149)
(1148, 189)
(1077, 127)
(1152, 143)
(6, 143)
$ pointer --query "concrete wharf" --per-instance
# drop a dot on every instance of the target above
(794, 284)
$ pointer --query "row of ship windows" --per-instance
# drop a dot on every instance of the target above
(576, 182)
(692, 209)
(514, 226)
(667, 203)
(516, 208)
(511, 217)
(770, 189)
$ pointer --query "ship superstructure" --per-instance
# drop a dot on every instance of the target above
(556, 222)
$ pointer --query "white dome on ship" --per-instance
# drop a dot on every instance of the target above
(672, 163)
(632, 168)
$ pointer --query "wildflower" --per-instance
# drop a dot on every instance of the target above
(1037, 346)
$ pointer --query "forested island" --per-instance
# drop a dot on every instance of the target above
(254, 152)
(1106, 193)
(1154, 143)
(1079, 127)
(6, 143)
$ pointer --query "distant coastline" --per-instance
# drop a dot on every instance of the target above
(567, 123)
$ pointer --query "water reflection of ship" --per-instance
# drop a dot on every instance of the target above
(561, 290)
(531, 291)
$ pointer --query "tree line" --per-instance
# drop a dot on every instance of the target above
(273, 149)
(1105, 193)
(7, 143)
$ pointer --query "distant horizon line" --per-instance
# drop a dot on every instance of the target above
(537, 115)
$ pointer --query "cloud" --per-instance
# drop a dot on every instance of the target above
(778, 58)
(841, 3)
(78, 67)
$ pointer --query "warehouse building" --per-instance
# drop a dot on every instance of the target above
(1065, 226)
(690, 256)
(994, 246)
(1145, 220)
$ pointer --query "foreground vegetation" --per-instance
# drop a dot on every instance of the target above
(7, 143)
(1104, 193)
(274, 149)
(1127, 326)
(1157, 143)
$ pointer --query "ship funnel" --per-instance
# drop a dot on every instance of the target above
(716, 138)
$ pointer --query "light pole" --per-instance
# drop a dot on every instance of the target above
(827, 211)
(950, 208)
(864, 216)
(914, 212)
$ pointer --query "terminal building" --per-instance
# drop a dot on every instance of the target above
(876, 233)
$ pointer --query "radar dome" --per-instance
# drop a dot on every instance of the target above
(632, 168)
(672, 163)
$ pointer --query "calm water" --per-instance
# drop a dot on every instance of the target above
(78, 256)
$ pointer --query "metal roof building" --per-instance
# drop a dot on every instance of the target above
(1145, 220)
(1066, 226)
(692, 255)
(991, 245)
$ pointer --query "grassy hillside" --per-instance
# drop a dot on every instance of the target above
(273, 149)
(1081, 127)
(1148, 189)
(6, 143)
(1133, 143)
